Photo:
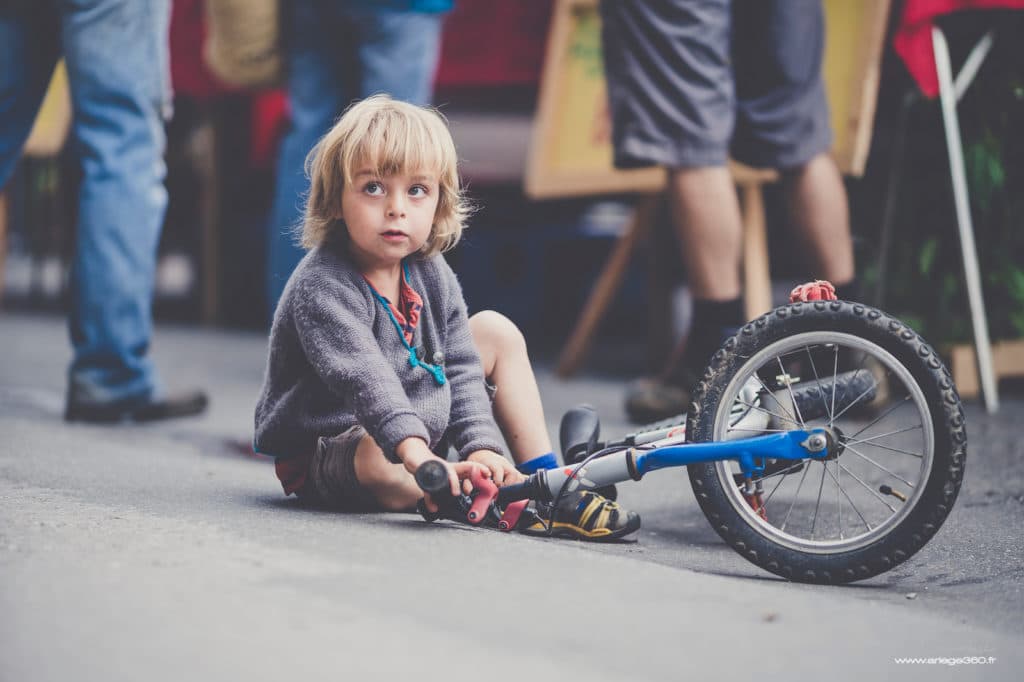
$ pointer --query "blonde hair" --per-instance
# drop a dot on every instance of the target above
(388, 136)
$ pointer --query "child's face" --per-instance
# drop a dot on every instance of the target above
(388, 217)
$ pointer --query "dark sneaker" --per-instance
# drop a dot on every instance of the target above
(651, 400)
(583, 515)
(137, 409)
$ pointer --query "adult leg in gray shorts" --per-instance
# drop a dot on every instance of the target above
(692, 81)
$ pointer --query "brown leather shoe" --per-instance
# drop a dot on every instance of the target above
(651, 400)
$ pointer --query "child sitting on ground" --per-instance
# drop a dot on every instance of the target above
(374, 365)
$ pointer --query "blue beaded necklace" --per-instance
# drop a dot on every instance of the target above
(435, 370)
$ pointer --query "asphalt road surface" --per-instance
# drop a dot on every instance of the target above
(167, 552)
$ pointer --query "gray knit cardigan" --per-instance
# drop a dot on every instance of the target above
(336, 360)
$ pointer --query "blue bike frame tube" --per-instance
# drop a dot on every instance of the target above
(633, 463)
(773, 446)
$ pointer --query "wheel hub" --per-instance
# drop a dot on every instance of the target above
(825, 439)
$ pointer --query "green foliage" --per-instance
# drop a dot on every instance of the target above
(924, 280)
(927, 258)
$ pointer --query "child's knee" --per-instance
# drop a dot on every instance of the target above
(491, 329)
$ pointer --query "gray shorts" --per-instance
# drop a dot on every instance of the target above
(331, 480)
(692, 82)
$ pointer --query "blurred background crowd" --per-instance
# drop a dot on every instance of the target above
(254, 86)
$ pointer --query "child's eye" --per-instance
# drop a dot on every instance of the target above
(373, 188)
(418, 191)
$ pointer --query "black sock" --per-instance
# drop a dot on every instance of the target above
(713, 323)
(849, 291)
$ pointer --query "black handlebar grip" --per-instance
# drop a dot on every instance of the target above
(428, 516)
(517, 491)
(432, 478)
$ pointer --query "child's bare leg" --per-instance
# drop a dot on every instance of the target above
(517, 404)
(393, 487)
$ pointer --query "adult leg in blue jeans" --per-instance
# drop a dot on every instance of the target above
(339, 54)
(29, 50)
(117, 61)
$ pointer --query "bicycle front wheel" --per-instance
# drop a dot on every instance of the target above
(895, 414)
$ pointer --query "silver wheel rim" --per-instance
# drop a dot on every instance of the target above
(870, 513)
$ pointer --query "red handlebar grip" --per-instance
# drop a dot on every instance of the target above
(484, 493)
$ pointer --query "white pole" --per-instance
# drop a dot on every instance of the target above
(947, 97)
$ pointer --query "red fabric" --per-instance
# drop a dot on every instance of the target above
(494, 43)
(269, 117)
(407, 312)
(292, 472)
(191, 77)
(913, 40)
(189, 74)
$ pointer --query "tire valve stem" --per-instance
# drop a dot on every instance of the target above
(886, 490)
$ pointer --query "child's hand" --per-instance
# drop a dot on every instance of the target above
(458, 477)
(414, 452)
(502, 470)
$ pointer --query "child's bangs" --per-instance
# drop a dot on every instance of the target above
(395, 142)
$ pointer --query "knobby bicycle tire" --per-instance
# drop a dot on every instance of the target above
(756, 541)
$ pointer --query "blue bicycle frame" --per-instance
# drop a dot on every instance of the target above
(632, 463)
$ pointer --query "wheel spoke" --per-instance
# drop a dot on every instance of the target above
(818, 503)
(817, 380)
(795, 496)
(789, 386)
(784, 472)
(865, 457)
(882, 416)
(852, 379)
(786, 418)
(835, 373)
(892, 449)
(883, 435)
(840, 467)
(857, 399)
(839, 501)
(867, 487)
(789, 416)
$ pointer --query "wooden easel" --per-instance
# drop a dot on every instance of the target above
(756, 280)
(570, 153)
(1007, 361)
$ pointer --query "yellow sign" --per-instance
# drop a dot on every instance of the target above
(50, 129)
